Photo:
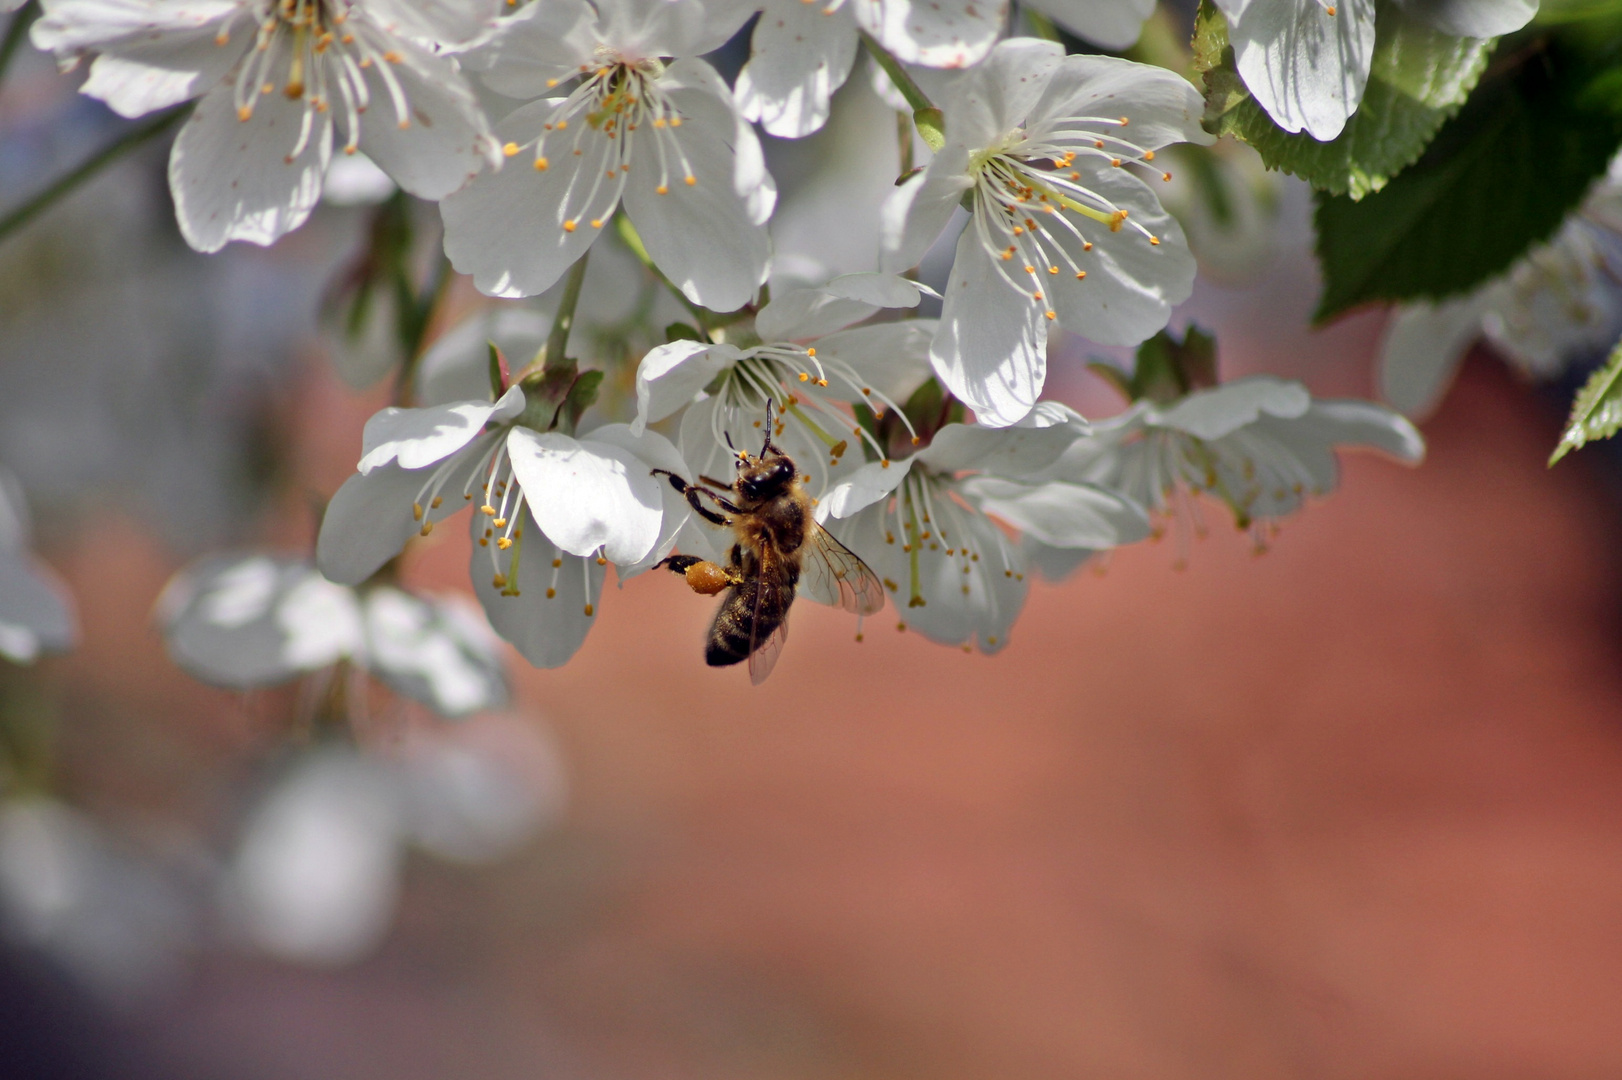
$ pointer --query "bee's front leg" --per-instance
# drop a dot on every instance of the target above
(692, 491)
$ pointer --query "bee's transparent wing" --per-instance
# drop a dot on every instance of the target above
(831, 573)
(763, 653)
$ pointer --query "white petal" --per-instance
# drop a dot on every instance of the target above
(144, 76)
(670, 375)
(916, 212)
(15, 523)
(655, 452)
(935, 33)
(1052, 563)
(1014, 451)
(232, 180)
(370, 518)
(431, 652)
(1307, 68)
(1131, 284)
(1211, 414)
(994, 98)
(319, 621)
(1473, 18)
(417, 438)
(991, 348)
(444, 140)
(862, 488)
(892, 358)
(799, 55)
(536, 49)
(1114, 24)
(1351, 422)
(507, 228)
(704, 98)
(69, 26)
(1060, 514)
(587, 495)
(1161, 106)
(1423, 346)
(803, 314)
(546, 630)
(702, 235)
(436, 22)
(678, 28)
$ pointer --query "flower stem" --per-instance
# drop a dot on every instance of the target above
(563, 322)
(930, 121)
(16, 30)
(898, 74)
(108, 154)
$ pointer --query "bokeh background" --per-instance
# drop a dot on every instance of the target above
(1352, 807)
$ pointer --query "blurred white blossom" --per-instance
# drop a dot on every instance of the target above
(36, 611)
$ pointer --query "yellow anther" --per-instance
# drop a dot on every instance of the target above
(1052, 315)
(1053, 269)
(822, 382)
(1154, 240)
(1086, 245)
(541, 164)
(568, 226)
(590, 611)
(416, 511)
(500, 523)
(437, 503)
(1080, 275)
(658, 121)
(427, 527)
(487, 510)
(551, 83)
(556, 563)
(602, 561)
(805, 376)
(1029, 269)
(551, 594)
(596, 223)
(393, 57)
(1166, 176)
(810, 352)
(661, 190)
(563, 125)
(503, 543)
(691, 180)
(1116, 220)
(1115, 162)
(675, 121)
(1148, 155)
(499, 581)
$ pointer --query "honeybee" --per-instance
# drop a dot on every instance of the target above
(778, 551)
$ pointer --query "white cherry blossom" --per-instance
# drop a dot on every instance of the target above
(1258, 444)
(249, 620)
(1307, 61)
(642, 124)
(927, 523)
(1062, 228)
(277, 82)
(1561, 302)
(550, 510)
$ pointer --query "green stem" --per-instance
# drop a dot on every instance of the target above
(16, 30)
(903, 137)
(629, 235)
(898, 74)
(563, 322)
(108, 154)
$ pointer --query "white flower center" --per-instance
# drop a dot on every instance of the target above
(1027, 192)
(620, 101)
(308, 50)
(928, 519)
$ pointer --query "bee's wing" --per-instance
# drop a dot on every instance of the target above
(763, 653)
(831, 573)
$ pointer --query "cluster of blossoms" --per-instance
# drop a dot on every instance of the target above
(559, 137)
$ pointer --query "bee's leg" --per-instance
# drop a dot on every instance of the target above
(677, 564)
(714, 483)
(692, 491)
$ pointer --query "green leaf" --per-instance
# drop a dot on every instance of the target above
(1418, 78)
(1499, 178)
(1596, 412)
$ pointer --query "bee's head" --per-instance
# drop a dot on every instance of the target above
(766, 476)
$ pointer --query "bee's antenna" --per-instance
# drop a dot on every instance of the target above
(768, 443)
(737, 455)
